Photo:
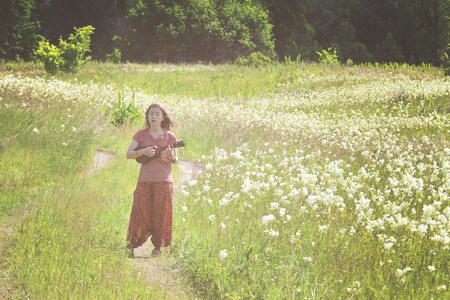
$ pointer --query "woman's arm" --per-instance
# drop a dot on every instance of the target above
(133, 154)
(172, 154)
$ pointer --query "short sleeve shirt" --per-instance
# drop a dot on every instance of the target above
(160, 168)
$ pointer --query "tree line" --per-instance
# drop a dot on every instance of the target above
(403, 31)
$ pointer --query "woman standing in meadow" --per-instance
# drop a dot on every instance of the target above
(151, 214)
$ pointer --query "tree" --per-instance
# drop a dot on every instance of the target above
(389, 50)
(332, 21)
(292, 32)
(423, 29)
(59, 17)
(207, 30)
(18, 33)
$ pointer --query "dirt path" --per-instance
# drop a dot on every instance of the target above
(161, 271)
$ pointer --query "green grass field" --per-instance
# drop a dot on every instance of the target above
(318, 181)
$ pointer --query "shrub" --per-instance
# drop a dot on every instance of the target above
(327, 57)
(123, 113)
(255, 59)
(11, 66)
(446, 61)
(241, 61)
(49, 55)
(70, 55)
(115, 56)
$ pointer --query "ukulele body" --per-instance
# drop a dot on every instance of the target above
(143, 159)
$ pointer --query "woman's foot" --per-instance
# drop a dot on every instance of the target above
(156, 252)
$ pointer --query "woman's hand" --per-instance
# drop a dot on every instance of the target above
(169, 152)
(170, 155)
(149, 151)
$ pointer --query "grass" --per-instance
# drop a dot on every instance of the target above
(318, 182)
(71, 245)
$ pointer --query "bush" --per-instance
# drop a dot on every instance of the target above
(70, 55)
(446, 61)
(123, 113)
(327, 57)
(114, 57)
(11, 66)
(49, 55)
(241, 61)
(256, 59)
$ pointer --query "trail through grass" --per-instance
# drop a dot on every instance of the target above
(317, 181)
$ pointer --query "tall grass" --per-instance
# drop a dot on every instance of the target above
(72, 244)
(339, 189)
(318, 182)
(40, 144)
(222, 81)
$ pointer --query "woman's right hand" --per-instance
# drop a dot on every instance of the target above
(149, 151)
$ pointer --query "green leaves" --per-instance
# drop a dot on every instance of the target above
(446, 62)
(18, 33)
(328, 57)
(206, 30)
(70, 55)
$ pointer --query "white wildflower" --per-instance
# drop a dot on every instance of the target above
(441, 288)
(274, 205)
(223, 254)
(308, 259)
(267, 219)
(273, 232)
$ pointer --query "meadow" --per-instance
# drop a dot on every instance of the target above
(318, 181)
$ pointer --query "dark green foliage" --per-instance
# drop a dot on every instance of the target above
(423, 30)
(390, 50)
(446, 61)
(18, 33)
(292, 32)
(59, 17)
(333, 22)
(412, 31)
(211, 30)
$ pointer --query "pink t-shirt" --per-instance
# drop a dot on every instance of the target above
(160, 168)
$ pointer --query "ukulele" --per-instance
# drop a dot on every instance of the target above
(143, 159)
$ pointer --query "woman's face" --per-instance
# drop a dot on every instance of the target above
(155, 116)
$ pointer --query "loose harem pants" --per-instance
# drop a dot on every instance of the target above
(151, 215)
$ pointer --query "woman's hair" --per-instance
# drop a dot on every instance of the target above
(167, 123)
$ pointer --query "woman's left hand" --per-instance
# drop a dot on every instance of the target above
(169, 153)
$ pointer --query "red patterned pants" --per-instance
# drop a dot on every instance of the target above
(151, 215)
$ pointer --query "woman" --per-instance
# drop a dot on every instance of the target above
(151, 214)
